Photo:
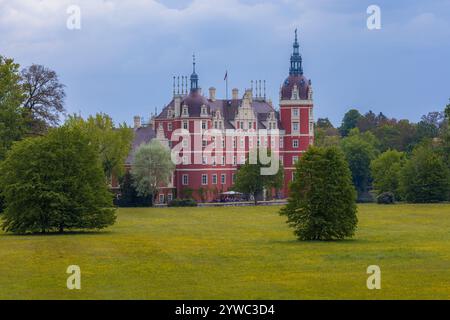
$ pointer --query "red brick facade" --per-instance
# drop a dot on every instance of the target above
(205, 176)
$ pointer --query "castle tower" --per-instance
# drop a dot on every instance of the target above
(296, 115)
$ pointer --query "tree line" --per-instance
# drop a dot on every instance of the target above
(393, 159)
(54, 175)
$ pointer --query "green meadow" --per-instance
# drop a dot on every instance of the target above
(234, 253)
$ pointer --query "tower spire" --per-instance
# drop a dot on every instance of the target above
(296, 59)
(194, 76)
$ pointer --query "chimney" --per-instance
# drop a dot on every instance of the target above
(137, 122)
(235, 93)
(177, 102)
(212, 94)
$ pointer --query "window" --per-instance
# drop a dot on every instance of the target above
(214, 160)
(223, 160)
(223, 143)
(234, 160)
(223, 178)
(214, 179)
(311, 127)
(293, 176)
(185, 111)
(295, 112)
(242, 125)
(185, 143)
(242, 142)
(295, 126)
(250, 125)
(215, 124)
(161, 198)
(185, 179)
(185, 125)
(204, 143)
(169, 113)
(281, 142)
(205, 160)
(204, 111)
(169, 126)
(294, 159)
(295, 143)
(233, 177)
(203, 125)
(204, 179)
(169, 197)
(234, 142)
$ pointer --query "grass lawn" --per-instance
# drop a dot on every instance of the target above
(234, 253)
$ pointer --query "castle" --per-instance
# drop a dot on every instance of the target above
(191, 112)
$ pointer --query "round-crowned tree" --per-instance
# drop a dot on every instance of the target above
(54, 183)
(425, 176)
(322, 200)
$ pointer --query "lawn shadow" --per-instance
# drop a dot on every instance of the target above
(322, 242)
(55, 234)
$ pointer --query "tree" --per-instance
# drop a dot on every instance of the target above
(152, 168)
(368, 122)
(12, 126)
(54, 183)
(113, 143)
(129, 196)
(325, 135)
(426, 130)
(359, 150)
(349, 122)
(386, 172)
(445, 136)
(425, 177)
(44, 97)
(324, 123)
(249, 179)
(321, 205)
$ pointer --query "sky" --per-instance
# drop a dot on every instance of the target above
(123, 58)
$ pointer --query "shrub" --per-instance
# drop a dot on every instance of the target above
(182, 203)
(386, 198)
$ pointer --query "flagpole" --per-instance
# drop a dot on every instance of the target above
(226, 85)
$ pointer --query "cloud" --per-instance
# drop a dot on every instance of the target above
(127, 51)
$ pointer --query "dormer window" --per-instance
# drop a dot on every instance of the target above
(169, 113)
(294, 93)
(185, 111)
(204, 111)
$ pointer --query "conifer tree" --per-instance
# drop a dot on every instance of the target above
(322, 201)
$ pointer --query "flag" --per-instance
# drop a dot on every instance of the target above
(226, 76)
